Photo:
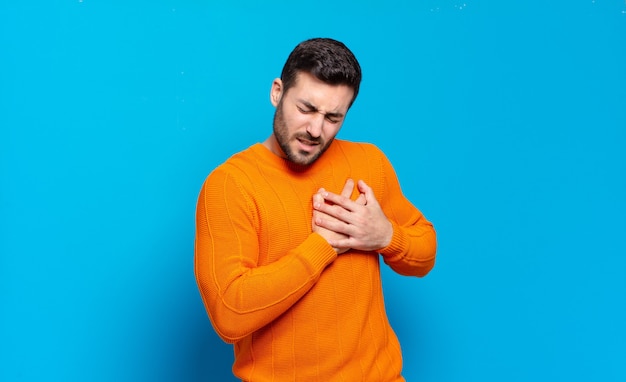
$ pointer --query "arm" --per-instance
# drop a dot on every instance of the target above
(240, 295)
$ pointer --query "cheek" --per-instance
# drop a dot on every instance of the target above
(296, 122)
(330, 130)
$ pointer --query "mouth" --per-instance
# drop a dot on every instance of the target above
(307, 145)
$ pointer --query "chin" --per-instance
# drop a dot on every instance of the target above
(302, 160)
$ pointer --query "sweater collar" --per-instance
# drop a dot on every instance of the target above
(266, 155)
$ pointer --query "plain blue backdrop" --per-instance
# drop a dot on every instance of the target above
(506, 123)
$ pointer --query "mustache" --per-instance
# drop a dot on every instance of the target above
(307, 137)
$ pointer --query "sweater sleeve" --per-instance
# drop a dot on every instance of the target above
(413, 245)
(240, 295)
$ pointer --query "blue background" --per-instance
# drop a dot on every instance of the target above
(505, 120)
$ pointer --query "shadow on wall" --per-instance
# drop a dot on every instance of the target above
(197, 353)
(168, 336)
(212, 357)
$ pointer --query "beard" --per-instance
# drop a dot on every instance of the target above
(300, 157)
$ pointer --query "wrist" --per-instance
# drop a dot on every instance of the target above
(388, 237)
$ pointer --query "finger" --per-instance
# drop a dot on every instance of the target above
(324, 219)
(320, 205)
(345, 242)
(327, 213)
(318, 200)
(367, 191)
(330, 223)
(343, 201)
(363, 187)
(348, 188)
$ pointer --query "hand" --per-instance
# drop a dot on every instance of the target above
(327, 234)
(359, 224)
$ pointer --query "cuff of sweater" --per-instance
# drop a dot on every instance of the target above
(397, 246)
(317, 252)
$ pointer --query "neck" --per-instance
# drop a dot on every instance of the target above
(272, 144)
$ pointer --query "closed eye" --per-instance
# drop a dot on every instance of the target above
(305, 110)
(332, 118)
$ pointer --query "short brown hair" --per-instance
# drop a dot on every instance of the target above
(328, 60)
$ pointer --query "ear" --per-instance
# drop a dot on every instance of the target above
(276, 92)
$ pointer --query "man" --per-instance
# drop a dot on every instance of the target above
(290, 231)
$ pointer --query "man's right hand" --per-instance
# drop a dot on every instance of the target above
(327, 234)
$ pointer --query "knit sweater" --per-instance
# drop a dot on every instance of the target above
(294, 309)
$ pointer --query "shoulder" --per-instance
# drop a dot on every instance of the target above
(364, 148)
(238, 168)
(368, 162)
(361, 151)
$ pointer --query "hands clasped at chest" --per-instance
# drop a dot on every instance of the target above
(351, 224)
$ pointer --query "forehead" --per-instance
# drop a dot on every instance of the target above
(327, 97)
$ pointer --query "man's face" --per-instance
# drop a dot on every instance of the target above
(308, 117)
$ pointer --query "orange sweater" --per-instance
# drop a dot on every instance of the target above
(294, 309)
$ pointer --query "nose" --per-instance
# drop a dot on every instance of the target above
(316, 125)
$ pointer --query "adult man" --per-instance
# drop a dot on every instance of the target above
(290, 231)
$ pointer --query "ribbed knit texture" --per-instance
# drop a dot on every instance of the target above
(294, 309)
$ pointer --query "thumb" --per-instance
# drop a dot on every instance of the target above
(367, 192)
(361, 199)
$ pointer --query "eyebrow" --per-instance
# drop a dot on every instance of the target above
(313, 108)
